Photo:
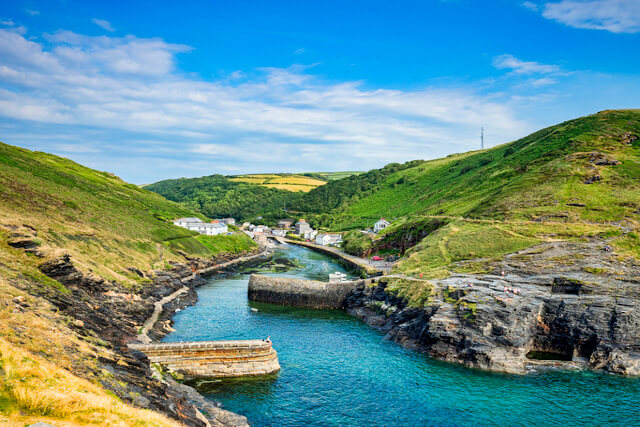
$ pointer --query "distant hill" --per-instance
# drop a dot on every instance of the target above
(281, 181)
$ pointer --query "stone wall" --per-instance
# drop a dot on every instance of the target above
(301, 293)
(214, 359)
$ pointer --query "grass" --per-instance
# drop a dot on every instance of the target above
(104, 223)
(33, 389)
(532, 178)
(477, 240)
(417, 293)
(47, 372)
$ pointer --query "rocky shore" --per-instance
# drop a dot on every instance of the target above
(110, 315)
(558, 304)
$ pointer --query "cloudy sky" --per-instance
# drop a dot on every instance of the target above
(160, 89)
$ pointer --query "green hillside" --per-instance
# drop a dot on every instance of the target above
(574, 181)
(584, 169)
(104, 223)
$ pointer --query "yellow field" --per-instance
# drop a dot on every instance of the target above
(297, 181)
(282, 181)
(291, 187)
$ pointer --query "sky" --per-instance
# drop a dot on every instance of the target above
(151, 90)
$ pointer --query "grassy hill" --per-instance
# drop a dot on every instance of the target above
(51, 366)
(106, 224)
(575, 180)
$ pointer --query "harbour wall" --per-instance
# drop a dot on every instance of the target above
(213, 359)
(300, 292)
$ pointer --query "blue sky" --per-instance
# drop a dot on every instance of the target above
(156, 89)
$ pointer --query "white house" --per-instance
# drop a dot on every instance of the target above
(196, 224)
(302, 226)
(184, 222)
(212, 228)
(328, 239)
(310, 234)
(322, 239)
(258, 229)
(278, 232)
(380, 225)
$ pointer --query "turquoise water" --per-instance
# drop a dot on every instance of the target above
(338, 371)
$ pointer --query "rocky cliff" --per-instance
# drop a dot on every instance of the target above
(544, 310)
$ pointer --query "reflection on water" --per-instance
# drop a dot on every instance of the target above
(337, 371)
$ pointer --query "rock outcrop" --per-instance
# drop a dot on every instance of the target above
(111, 314)
(525, 318)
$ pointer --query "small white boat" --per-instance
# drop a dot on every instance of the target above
(337, 277)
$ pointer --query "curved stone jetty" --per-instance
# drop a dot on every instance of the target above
(214, 359)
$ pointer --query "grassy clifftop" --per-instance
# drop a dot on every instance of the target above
(104, 223)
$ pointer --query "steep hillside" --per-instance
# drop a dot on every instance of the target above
(104, 223)
(83, 257)
(576, 180)
(583, 169)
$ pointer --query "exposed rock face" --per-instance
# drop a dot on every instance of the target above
(113, 313)
(573, 316)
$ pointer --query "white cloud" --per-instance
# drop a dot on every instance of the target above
(125, 91)
(105, 25)
(32, 12)
(531, 6)
(616, 16)
(519, 66)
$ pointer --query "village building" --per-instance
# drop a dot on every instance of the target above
(278, 232)
(328, 239)
(302, 226)
(380, 225)
(208, 228)
(184, 222)
(310, 234)
(285, 223)
(228, 221)
(260, 229)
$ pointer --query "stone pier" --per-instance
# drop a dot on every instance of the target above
(300, 292)
(213, 359)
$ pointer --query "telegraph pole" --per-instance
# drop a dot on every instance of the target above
(482, 138)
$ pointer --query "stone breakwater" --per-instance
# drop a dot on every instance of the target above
(300, 292)
(214, 359)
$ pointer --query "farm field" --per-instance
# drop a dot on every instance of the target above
(289, 182)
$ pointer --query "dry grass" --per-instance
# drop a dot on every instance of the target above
(32, 389)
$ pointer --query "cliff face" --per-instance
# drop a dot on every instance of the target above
(552, 315)
(114, 314)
